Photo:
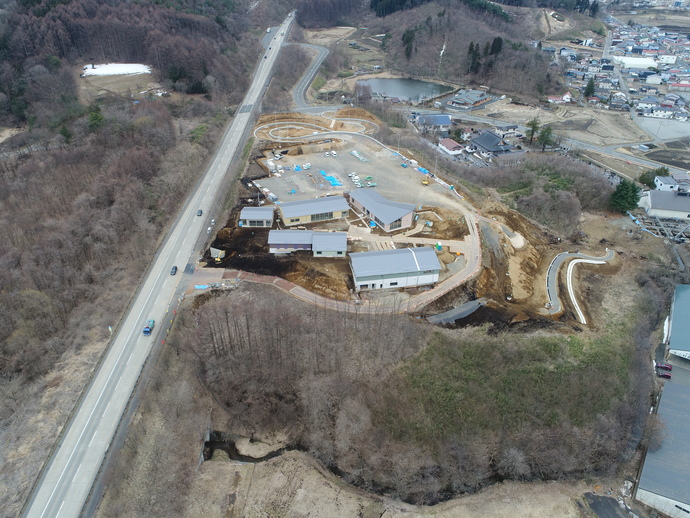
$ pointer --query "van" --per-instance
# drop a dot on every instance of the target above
(199, 212)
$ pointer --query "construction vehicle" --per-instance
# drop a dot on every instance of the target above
(148, 328)
(425, 180)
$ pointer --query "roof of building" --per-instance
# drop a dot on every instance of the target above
(470, 97)
(506, 127)
(669, 200)
(491, 142)
(434, 120)
(679, 332)
(390, 262)
(449, 143)
(315, 206)
(290, 237)
(668, 180)
(329, 241)
(385, 210)
(666, 471)
(257, 213)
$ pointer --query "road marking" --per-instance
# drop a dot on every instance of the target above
(106, 409)
(77, 473)
(130, 357)
(92, 438)
(58, 513)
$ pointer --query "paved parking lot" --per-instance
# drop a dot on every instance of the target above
(382, 165)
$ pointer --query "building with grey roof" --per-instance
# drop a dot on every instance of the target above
(679, 330)
(664, 482)
(388, 215)
(666, 204)
(395, 268)
(322, 244)
(311, 211)
(259, 217)
(489, 142)
(467, 99)
(329, 244)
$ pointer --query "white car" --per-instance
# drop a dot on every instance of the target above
(334, 153)
(326, 154)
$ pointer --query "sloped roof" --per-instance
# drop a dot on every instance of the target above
(491, 142)
(666, 471)
(329, 241)
(290, 237)
(316, 206)
(679, 332)
(434, 120)
(257, 213)
(449, 143)
(385, 210)
(391, 262)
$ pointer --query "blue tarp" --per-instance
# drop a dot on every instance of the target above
(201, 286)
(333, 181)
(298, 168)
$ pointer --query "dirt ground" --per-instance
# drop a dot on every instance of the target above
(128, 87)
(294, 485)
(596, 126)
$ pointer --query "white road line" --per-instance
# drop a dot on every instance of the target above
(130, 357)
(580, 315)
(93, 438)
(58, 513)
(76, 473)
(106, 409)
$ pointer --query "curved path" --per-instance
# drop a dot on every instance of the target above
(552, 278)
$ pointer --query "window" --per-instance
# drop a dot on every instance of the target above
(318, 253)
(294, 220)
(394, 283)
(396, 224)
(321, 217)
(339, 253)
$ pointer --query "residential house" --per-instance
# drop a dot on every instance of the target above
(260, 217)
(388, 215)
(314, 210)
(666, 183)
(506, 130)
(395, 268)
(489, 142)
(647, 103)
(654, 79)
(434, 122)
(664, 483)
(450, 146)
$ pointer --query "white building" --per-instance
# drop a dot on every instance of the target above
(261, 217)
(395, 268)
(665, 183)
(665, 204)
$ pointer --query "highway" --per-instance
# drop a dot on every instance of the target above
(64, 486)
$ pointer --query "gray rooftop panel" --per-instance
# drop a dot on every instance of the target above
(257, 213)
(669, 200)
(290, 237)
(388, 262)
(385, 210)
(679, 337)
(329, 242)
(294, 209)
(666, 471)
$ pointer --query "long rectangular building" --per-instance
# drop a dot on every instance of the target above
(395, 268)
(312, 211)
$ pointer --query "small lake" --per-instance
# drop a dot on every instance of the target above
(406, 89)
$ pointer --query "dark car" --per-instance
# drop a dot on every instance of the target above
(664, 366)
(199, 212)
(664, 374)
(174, 270)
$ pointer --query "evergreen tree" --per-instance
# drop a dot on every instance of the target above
(625, 197)
(533, 129)
(496, 46)
(546, 137)
(589, 89)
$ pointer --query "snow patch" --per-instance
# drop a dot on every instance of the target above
(116, 69)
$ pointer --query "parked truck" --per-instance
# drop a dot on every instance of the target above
(148, 328)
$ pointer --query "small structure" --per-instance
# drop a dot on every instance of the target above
(489, 142)
(329, 244)
(679, 329)
(389, 215)
(665, 183)
(506, 130)
(310, 211)
(259, 217)
(450, 146)
(288, 241)
(665, 479)
(665, 204)
(394, 268)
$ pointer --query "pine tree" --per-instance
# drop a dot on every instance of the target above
(625, 197)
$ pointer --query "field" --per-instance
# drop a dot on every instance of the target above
(133, 86)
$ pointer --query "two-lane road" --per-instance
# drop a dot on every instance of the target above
(64, 486)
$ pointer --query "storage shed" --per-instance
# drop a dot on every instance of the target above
(395, 268)
(389, 215)
(310, 211)
(261, 217)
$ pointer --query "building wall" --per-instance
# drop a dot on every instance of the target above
(286, 249)
(681, 354)
(256, 223)
(660, 213)
(339, 253)
(395, 281)
(406, 220)
(662, 504)
(303, 220)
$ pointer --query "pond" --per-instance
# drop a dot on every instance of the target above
(406, 89)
